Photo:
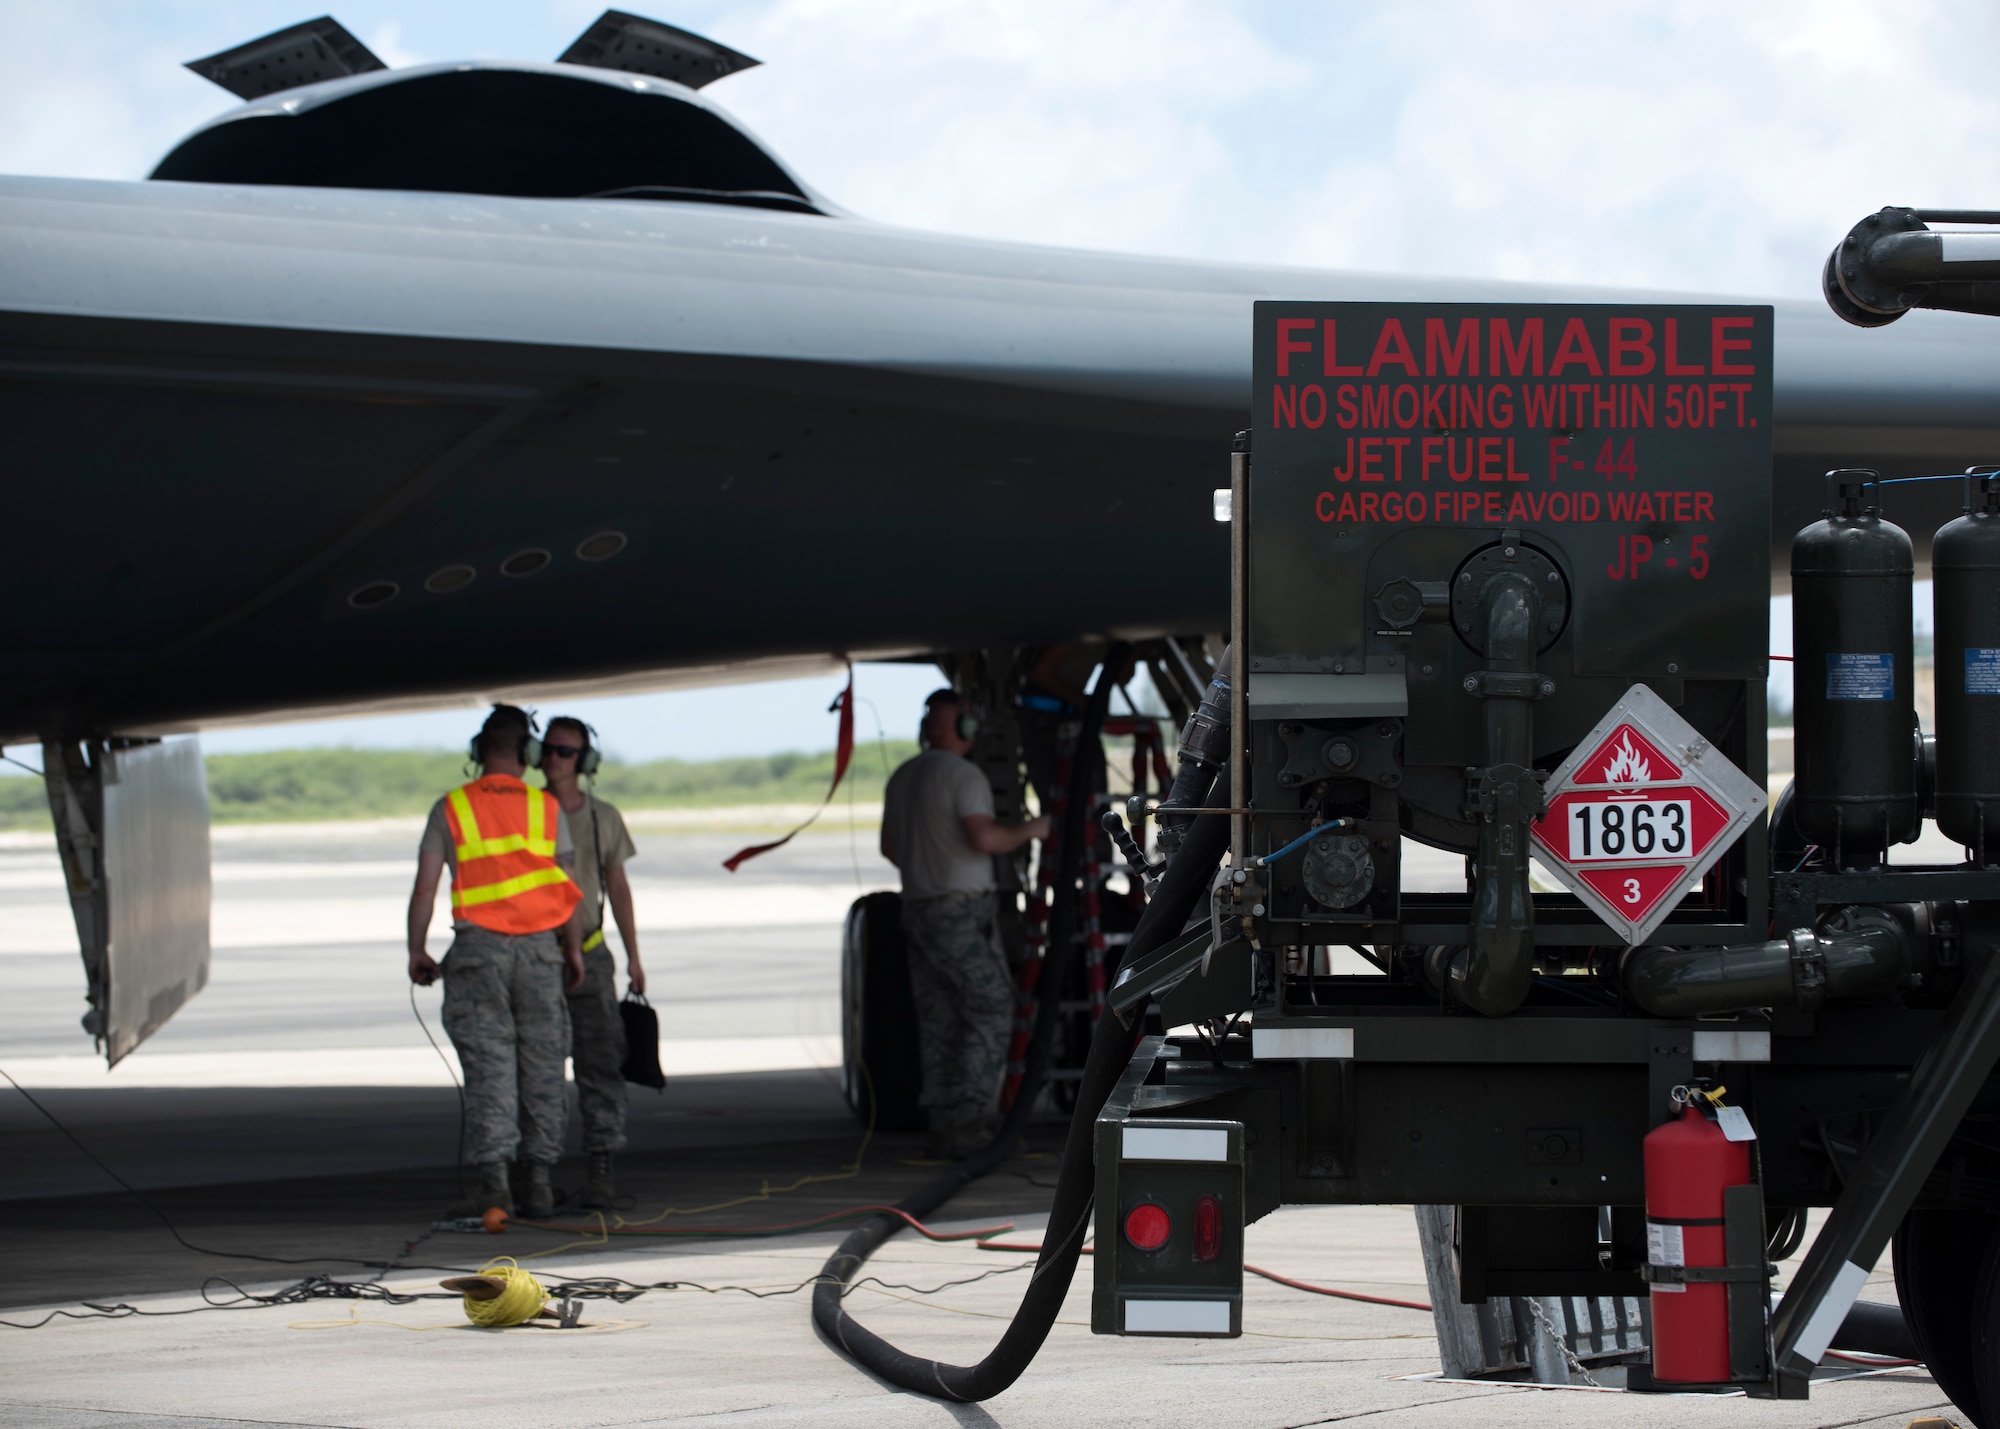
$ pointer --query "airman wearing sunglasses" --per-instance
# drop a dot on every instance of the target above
(597, 1046)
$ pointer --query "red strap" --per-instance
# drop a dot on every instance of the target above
(843, 750)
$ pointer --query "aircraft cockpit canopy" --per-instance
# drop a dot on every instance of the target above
(615, 117)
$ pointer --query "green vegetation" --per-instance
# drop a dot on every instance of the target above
(297, 785)
(1777, 707)
(23, 805)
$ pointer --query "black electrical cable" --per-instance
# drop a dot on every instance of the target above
(458, 1157)
(324, 1287)
(395, 1263)
(613, 1287)
(313, 1287)
(1787, 1235)
(1182, 884)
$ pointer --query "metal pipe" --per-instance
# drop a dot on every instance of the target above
(1494, 972)
(1802, 969)
(1891, 262)
(1930, 258)
(1239, 644)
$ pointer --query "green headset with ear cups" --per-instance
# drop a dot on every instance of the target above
(529, 749)
(967, 724)
(589, 761)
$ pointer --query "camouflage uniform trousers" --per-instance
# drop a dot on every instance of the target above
(965, 1002)
(504, 1009)
(597, 1053)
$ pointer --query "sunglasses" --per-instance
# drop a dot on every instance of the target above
(567, 751)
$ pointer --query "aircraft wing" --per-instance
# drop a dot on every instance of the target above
(290, 447)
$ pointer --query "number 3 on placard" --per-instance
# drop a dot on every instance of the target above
(1631, 890)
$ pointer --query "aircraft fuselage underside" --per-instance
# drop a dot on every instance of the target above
(231, 520)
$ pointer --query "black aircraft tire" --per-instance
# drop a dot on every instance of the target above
(1945, 1279)
(878, 1017)
(1986, 1329)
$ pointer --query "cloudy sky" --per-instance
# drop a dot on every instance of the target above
(1701, 146)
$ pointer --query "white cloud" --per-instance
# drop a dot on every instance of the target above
(97, 88)
(1093, 124)
(1697, 145)
(386, 42)
(78, 97)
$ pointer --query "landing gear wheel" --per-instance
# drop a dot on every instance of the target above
(1946, 1264)
(1985, 1325)
(880, 1071)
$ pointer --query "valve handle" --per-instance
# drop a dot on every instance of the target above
(1112, 824)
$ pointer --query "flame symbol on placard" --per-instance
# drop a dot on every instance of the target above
(1626, 766)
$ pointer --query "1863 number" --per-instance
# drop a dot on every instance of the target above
(1629, 828)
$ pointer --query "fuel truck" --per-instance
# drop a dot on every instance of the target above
(1501, 587)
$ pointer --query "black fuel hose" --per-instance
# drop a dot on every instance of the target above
(1183, 884)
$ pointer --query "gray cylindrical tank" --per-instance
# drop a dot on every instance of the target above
(1854, 719)
(1965, 563)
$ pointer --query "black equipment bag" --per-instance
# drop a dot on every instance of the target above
(642, 1042)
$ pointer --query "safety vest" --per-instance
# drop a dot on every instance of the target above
(505, 838)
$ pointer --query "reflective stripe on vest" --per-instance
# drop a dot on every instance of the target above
(506, 878)
(539, 838)
(594, 941)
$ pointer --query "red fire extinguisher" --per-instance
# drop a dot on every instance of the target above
(1690, 1162)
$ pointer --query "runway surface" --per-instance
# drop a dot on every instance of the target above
(295, 1110)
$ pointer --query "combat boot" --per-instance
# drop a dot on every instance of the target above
(974, 1133)
(495, 1189)
(601, 1189)
(538, 1198)
(939, 1135)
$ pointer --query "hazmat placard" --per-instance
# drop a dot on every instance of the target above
(1639, 812)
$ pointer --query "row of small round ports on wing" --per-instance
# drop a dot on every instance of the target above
(1149, 1226)
(529, 561)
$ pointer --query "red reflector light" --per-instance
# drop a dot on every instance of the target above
(1147, 1226)
(1207, 1228)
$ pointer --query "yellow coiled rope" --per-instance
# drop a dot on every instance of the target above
(519, 1302)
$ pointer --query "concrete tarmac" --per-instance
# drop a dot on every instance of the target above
(288, 1114)
(728, 1339)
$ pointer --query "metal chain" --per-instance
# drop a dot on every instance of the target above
(1562, 1341)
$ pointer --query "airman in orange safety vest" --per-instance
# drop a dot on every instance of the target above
(515, 948)
(504, 838)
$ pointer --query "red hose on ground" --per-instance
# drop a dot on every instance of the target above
(1337, 1294)
(497, 1222)
(1258, 1270)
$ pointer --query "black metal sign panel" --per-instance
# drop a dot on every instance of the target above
(1632, 444)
